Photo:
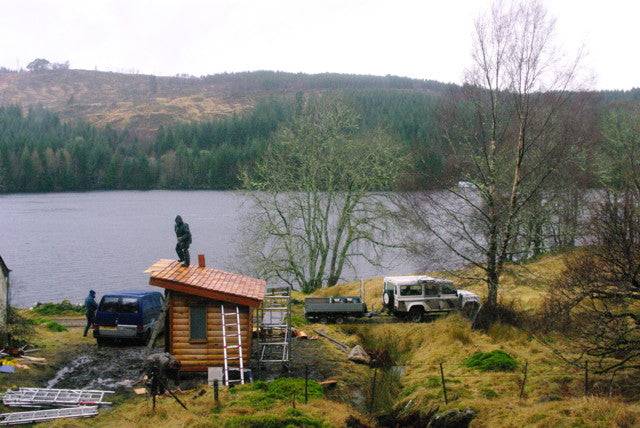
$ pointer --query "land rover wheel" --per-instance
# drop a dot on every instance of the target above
(416, 314)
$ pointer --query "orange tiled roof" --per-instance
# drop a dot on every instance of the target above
(206, 279)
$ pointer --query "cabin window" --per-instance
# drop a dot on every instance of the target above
(197, 323)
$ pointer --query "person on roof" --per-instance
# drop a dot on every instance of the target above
(90, 306)
(184, 240)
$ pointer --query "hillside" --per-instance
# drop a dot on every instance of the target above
(554, 391)
(143, 103)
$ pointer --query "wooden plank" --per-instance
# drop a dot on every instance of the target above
(213, 362)
(217, 342)
(202, 292)
(204, 279)
(167, 272)
(214, 323)
(184, 325)
(184, 317)
(168, 335)
(197, 354)
(196, 368)
(193, 277)
(213, 310)
(211, 341)
(212, 336)
(203, 357)
(181, 274)
(341, 345)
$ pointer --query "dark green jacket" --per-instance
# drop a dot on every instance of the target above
(182, 232)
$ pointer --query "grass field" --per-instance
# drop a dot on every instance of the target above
(554, 392)
(553, 395)
(245, 406)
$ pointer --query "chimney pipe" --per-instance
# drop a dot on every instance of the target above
(201, 260)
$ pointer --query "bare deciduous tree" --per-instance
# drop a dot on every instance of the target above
(314, 197)
(505, 132)
(597, 299)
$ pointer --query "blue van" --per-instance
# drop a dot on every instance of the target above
(127, 315)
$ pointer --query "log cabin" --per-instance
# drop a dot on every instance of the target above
(196, 297)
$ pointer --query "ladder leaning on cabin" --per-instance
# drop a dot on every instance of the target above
(226, 346)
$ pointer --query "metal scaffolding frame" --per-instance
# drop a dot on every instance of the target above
(273, 320)
(33, 416)
(41, 397)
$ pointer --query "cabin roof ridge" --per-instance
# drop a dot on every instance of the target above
(207, 282)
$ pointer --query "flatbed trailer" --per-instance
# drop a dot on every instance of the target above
(333, 309)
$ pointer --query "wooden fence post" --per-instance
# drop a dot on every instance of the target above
(524, 380)
(373, 390)
(613, 375)
(586, 377)
(306, 384)
(444, 386)
(216, 396)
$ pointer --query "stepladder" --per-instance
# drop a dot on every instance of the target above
(232, 345)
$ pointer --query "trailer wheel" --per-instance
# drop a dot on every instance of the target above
(339, 320)
(416, 314)
(324, 320)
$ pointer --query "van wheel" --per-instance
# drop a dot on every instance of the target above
(416, 314)
(145, 337)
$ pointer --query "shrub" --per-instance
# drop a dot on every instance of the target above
(505, 312)
(491, 361)
(19, 328)
(54, 326)
(49, 324)
(298, 320)
(63, 308)
(489, 393)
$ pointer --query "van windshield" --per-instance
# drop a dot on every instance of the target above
(120, 305)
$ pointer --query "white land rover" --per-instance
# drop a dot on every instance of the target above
(418, 296)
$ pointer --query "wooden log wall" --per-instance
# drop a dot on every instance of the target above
(196, 355)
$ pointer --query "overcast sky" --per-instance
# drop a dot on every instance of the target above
(423, 39)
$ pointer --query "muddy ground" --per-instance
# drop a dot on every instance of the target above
(113, 367)
(121, 366)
